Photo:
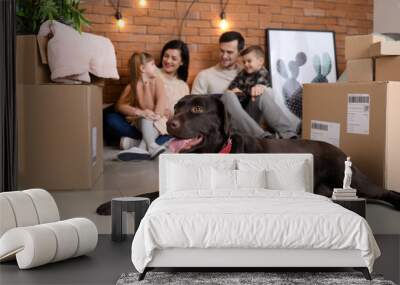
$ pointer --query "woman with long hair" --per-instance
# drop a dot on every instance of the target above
(119, 118)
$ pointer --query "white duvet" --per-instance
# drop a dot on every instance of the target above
(252, 218)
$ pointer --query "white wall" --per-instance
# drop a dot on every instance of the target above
(387, 16)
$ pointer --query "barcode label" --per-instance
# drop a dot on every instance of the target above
(319, 126)
(358, 108)
(359, 99)
(325, 131)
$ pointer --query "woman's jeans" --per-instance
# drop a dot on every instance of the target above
(116, 126)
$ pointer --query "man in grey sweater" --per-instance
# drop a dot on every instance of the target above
(216, 79)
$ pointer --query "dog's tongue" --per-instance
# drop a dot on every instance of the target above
(176, 145)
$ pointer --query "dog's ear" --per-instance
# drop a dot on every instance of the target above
(225, 116)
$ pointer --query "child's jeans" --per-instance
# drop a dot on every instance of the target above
(116, 126)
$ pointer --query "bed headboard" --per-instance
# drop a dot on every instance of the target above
(193, 160)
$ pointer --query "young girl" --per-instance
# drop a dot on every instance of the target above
(146, 91)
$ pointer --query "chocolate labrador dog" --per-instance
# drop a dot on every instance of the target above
(201, 125)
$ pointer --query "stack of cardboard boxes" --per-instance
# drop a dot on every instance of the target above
(60, 136)
(361, 116)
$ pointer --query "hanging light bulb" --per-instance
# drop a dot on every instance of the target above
(142, 3)
(121, 23)
(223, 24)
(120, 20)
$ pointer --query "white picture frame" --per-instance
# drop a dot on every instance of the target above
(296, 57)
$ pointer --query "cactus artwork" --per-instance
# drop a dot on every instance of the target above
(298, 57)
(322, 68)
(292, 89)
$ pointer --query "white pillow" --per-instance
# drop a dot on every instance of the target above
(188, 177)
(226, 179)
(251, 178)
(281, 174)
(223, 179)
(292, 179)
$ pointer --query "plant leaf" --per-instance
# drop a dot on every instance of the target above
(31, 14)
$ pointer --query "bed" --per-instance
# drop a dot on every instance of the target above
(246, 211)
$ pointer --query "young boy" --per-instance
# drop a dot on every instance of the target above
(253, 79)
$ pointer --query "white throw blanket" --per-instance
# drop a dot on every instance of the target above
(71, 55)
(250, 219)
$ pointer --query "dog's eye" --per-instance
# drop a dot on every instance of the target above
(197, 109)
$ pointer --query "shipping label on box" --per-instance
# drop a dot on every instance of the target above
(358, 107)
(325, 131)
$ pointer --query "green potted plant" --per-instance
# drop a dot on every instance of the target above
(32, 13)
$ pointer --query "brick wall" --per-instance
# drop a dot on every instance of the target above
(149, 28)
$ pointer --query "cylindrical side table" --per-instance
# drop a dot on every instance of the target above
(138, 205)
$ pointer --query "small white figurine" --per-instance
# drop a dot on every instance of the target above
(347, 174)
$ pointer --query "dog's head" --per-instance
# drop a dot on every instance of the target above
(200, 124)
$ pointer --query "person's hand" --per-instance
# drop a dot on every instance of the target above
(149, 114)
(257, 90)
(237, 91)
(157, 116)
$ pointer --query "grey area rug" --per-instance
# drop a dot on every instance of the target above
(243, 278)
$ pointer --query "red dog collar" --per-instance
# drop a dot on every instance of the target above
(227, 147)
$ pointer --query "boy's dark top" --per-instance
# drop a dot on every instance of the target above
(245, 82)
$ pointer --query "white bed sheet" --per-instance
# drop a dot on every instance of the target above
(251, 218)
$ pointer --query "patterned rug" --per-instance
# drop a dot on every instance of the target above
(243, 278)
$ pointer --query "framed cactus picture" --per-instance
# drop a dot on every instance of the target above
(296, 57)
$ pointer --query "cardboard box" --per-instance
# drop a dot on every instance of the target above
(32, 64)
(42, 43)
(357, 47)
(362, 119)
(62, 136)
(29, 67)
(387, 68)
(385, 48)
(360, 70)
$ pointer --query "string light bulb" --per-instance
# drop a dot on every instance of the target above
(223, 24)
(142, 3)
(120, 20)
